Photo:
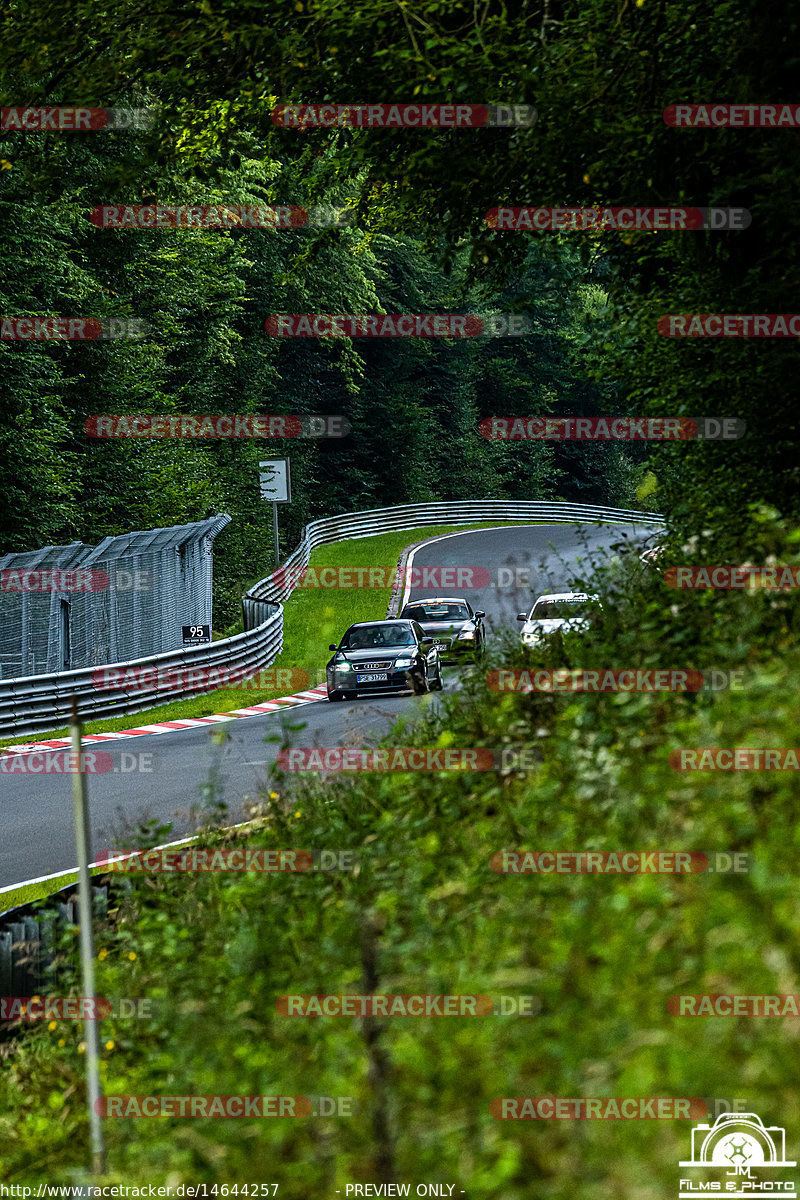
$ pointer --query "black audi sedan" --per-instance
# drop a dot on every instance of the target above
(383, 656)
(450, 620)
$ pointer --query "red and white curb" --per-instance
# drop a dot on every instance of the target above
(308, 697)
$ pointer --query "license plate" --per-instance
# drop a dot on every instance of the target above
(372, 678)
(442, 646)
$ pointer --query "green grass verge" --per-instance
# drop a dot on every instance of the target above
(309, 627)
(29, 892)
(36, 891)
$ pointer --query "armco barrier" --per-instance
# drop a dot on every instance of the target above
(31, 935)
(36, 703)
(41, 702)
(446, 512)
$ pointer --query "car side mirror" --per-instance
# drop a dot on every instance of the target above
(480, 613)
(333, 646)
(522, 616)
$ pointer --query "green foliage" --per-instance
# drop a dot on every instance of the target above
(413, 404)
(425, 913)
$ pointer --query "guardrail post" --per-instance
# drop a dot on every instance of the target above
(17, 931)
(5, 963)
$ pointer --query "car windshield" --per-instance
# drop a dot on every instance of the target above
(375, 637)
(437, 612)
(549, 610)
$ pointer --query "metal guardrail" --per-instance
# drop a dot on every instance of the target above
(39, 702)
(447, 512)
(36, 703)
(32, 935)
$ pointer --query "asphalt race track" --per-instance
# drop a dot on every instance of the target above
(38, 837)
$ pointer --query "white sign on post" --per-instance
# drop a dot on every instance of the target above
(275, 480)
(276, 485)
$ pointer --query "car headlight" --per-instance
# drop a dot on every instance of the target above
(467, 635)
(401, 663)
(343, 666)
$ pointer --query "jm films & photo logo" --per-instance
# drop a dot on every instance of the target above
(737, 1155)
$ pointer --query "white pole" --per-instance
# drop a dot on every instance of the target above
(91, 1027)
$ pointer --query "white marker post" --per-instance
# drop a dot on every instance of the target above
(91, 1030)
(276, 485)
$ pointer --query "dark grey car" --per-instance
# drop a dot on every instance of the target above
(457, 629)
(383, 656)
